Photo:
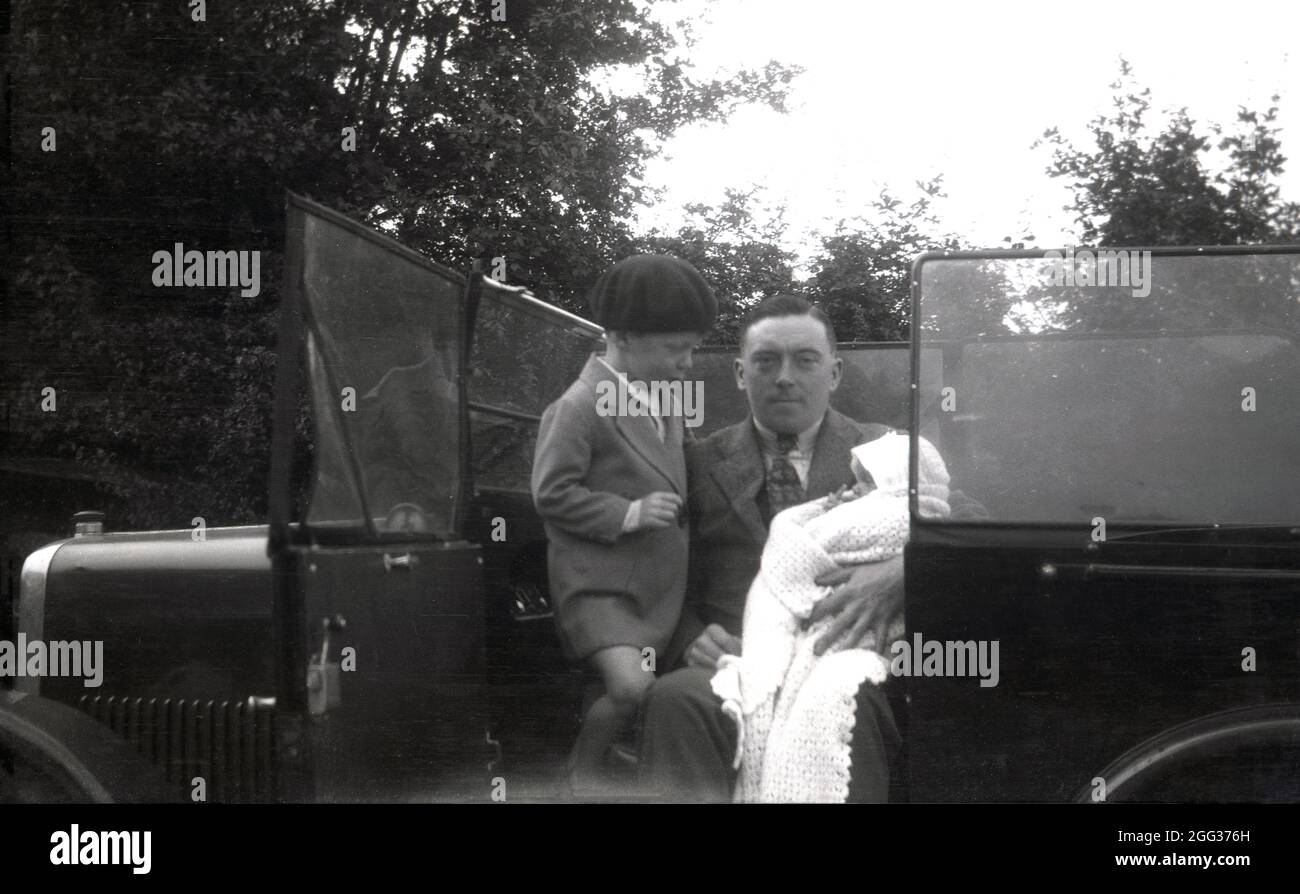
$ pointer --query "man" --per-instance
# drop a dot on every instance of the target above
(793, 448)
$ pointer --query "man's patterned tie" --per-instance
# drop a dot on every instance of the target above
(783, 487)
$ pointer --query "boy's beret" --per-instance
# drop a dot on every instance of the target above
(653, 293)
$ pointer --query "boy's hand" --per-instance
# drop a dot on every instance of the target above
(659, 510)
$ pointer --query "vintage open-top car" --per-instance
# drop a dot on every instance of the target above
(390, 637)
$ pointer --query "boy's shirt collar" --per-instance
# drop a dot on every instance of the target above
(636, 388)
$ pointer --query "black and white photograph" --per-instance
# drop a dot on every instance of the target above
(650, 402)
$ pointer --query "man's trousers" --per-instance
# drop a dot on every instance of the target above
(688, 744)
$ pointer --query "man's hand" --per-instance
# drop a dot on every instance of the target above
(867, 599)
(711, 645)
(659, 510)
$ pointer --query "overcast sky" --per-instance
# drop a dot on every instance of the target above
(897, 92)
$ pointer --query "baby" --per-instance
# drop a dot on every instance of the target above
(793, 708)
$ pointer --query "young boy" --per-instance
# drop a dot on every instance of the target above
(609, 481)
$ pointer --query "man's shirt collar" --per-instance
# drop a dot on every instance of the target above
(806, 438)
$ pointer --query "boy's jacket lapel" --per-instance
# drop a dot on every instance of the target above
(639, 431)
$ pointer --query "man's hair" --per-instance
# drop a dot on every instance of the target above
(786, 305)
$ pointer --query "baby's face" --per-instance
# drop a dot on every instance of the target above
(864, 485)
(849, 494)
(883, 462)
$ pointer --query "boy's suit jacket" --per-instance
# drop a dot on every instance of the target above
(609, 588)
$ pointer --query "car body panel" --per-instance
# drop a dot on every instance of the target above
(1121, 611)
(128, 589)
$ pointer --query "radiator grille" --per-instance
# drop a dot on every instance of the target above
(11, 568)
(230, 744)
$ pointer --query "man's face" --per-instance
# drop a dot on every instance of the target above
(787, 369)
(658, 356)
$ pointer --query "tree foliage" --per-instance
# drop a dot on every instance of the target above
(863, 272)
(1185, 184)
(1142, 188)
(467, 136)
(475, 137)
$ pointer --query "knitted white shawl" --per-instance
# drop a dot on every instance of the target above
(794, 710)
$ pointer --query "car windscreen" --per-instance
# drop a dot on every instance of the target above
(1153, 389)
(383, 350)
(525, 355)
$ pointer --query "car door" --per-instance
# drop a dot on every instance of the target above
(1139, 570)
(379, 608)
